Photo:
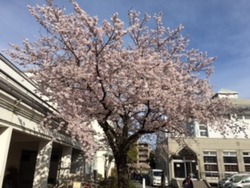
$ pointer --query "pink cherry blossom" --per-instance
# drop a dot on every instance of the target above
(133, 81)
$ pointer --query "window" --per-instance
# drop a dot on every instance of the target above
(210, 163)
(246, 158)
(209, 167)
(210, 159)
(231, 168)
(210, 153)
(247, 117)
(211, 174)
(157, 173)
(247, 168)
(203, 130)
(230, 161)
(239, 117)
(247, 180)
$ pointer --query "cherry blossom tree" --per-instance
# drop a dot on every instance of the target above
(134, 80)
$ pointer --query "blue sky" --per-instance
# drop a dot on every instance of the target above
(220, 27)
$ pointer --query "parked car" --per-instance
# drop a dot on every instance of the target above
(244, 183)
(155, 177)
(234, 180)
(222, 182)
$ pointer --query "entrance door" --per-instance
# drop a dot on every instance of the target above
(183, 168)
(179, 171)
(27, 168)
(191, 169)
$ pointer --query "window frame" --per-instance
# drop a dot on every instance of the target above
(203, 130)
(230, 166)
(246, 156)
(211, 168)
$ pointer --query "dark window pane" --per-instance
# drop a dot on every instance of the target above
(157, 173)
(203, 128)
(231, 168)
(246, 159)
(230, 159)
(211, 168)
(203, 133)
(210, 159)
(211, 174)
(247, 168)
(247, 116)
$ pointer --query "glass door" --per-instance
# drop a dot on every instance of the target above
(179, 170)
(184, 168)
(191, 169)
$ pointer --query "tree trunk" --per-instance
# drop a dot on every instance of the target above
(122, 170)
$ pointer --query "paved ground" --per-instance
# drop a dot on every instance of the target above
(139, 185)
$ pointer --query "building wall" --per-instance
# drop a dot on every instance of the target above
(144, 150)
(200, 146)
(102, 158)
(210, 154)
(103, 163)
(28, 148)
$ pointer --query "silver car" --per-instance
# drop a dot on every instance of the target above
(222, 182)
(235, 180)
(244, 183)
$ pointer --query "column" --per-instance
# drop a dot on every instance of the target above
(240, 161)
(171, 167)
(42, 164)
(5, 138)
(65, 163)
(220, 163)
(200, 167)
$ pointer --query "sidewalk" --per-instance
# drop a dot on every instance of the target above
(139, 185)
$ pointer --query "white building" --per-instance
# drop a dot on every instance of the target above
(103, 161)
(37, 156)
(210, 155)
(144, 150)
